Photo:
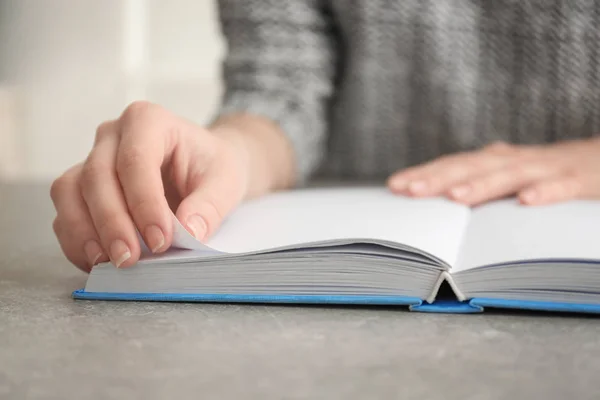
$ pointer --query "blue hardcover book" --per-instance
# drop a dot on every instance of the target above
(368, 246)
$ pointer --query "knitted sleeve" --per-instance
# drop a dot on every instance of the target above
(279, 64)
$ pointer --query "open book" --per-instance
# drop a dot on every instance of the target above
(368, 246)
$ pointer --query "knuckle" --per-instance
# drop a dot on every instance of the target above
(104, 129)
(142, 207)
(58, 187)
(475, 161)
(70, 222)
(74, 223)
(129, 157)
(109, 223)
(519, 170)
(138, 110)
(65, 183)
(94, 168)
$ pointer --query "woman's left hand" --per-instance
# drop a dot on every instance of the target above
(537, 174)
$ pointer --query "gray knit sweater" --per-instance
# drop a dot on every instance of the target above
(365, 87)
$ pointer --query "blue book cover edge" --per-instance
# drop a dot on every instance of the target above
(476, 305)
(241, 298)
(536, 305)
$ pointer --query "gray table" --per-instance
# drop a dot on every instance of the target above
(54, 347)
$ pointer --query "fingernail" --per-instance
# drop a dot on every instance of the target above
(417, 187)
(119, 253)
(155, 238)
(93, 251)
(197, 225)
(460, 191)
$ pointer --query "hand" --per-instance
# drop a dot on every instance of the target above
(143, 165)
(536, 174)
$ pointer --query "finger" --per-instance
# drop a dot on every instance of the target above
(142, 150)
(439, 175)
(203, 210)
(503, 182)
(557, 189)
(102, 193)
(420, 179)
(73, 225)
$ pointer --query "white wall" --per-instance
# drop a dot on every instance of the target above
(67, 65)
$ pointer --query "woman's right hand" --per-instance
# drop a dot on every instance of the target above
(144, 166)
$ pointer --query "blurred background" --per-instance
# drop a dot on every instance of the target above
(66, 66)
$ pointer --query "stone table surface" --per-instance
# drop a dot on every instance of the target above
(53, 347)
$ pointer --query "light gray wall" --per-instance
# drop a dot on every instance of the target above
(65, 66)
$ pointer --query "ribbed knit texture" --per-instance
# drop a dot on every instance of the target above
(365, 87)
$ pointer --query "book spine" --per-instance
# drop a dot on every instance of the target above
(457, 292)
(445, 276)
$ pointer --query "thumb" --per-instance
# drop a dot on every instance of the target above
(204, 209)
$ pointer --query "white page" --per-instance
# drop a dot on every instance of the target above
(506, 231)
(312, 215)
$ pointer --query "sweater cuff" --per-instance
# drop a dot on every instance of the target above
(305, 144)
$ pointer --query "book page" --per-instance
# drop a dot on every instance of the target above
(296, 217)
(506, 231)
